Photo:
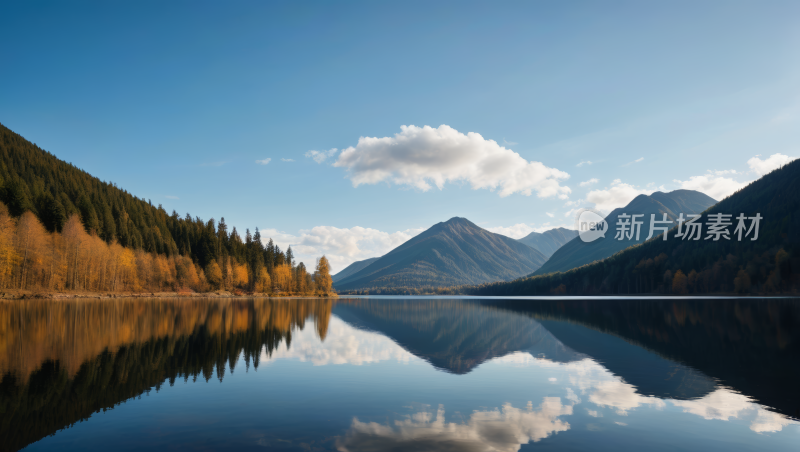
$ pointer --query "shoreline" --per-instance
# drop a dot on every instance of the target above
(12, 295)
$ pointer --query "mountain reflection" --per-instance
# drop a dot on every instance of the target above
(751, 345)
(721, 360)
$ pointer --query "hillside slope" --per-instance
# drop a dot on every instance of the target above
(770, 264)
(549, 242)
(32, 179)
(452, 253)
(576, 252)
(353, 268)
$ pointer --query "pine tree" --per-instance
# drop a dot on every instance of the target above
(289, 257)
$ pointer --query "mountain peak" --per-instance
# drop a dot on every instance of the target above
(450, 253)
(576, 253)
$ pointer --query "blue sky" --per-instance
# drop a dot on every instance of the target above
(177, 102)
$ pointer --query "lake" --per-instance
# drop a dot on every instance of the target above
(400, 373)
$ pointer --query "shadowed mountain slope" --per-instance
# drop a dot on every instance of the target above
(353, 268)
(770, 264)
(549, 242)
(576, 252)
(451, 253)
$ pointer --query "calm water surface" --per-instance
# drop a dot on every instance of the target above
(395, 373)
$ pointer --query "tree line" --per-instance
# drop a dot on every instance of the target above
(63, 229)
(768, 265)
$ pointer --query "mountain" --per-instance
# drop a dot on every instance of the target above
(770, 264)
(353, 268)
(549, 241)
(577, 252)
(451, 253)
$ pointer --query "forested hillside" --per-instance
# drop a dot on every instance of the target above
(53, 191)
(576, 252)
(770, 264)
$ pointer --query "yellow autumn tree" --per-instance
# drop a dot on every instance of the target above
(263, 281)
(31, 238)
(322, 276)
(214, 275)
(679, 283)
(282, 276)
(241, 275)
(8, 253)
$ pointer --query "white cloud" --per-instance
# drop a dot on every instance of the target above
(321, 156)
(509, 143)
(723, 172)
(287, 160)
(620, 396)
(593, 413)
(619, 195)
(521, 230)
(499, 430)
(264, 162)
(718, 187)
(722, 404)
(171, 197)
(584, 162)
(421, 156)
(773, 162)
(640, 159)
(589, 182)
(767, 421)
(549, 214)
(342, 246)
(517, 231)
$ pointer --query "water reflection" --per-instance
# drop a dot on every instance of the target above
(63, 361)
(504, 429)
(508, 372)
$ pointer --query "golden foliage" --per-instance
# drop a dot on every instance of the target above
(282, 278)
(31, 258)
(322, 277)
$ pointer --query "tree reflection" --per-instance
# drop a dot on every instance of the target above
(63, 361)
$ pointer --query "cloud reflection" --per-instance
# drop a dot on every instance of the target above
(585, 381)
(500, 430)
(342, 345)
(725, 404)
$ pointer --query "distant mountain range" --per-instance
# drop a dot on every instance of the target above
(353, 268)
(770, 264)
(549, 242)
(455, 252)
(577, 252)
